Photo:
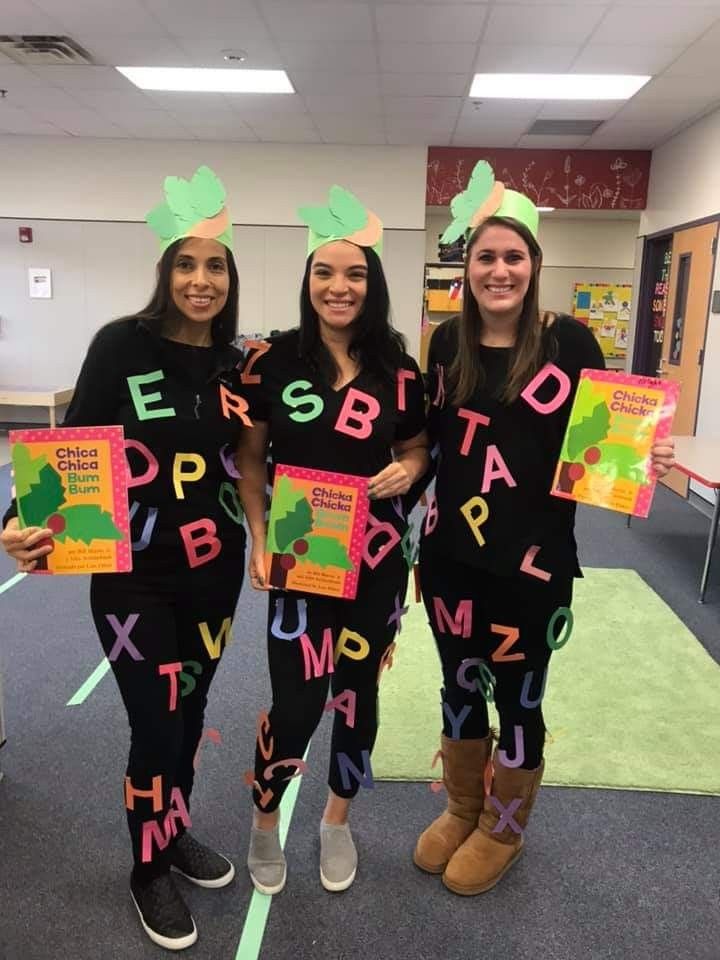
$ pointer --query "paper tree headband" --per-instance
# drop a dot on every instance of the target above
(192, 208)
(486, 197)
(344, 218)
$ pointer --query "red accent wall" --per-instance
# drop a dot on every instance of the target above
(565, 179)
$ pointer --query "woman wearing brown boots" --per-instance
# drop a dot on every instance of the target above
(499, 556)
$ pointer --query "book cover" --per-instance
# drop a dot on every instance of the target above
(316, 531)
(605, 457)
(74, 481)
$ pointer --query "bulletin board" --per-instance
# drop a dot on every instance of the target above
(605, 308)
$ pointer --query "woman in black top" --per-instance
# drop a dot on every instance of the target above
(337, 394)
(499, 556)
(169, 375)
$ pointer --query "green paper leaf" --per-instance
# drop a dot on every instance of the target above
(208, 193)
(327, 552)
(87, 522)
(482, 181)
(347, 209)
(44, 498)
(27, 468)
(462, 206)
(180, 201)
(321, 220)
(456, 229)
(294, 525)
(621, 462)
(162, 220)
(589, 431)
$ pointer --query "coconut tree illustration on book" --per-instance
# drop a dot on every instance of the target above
(290, 536)
(585, 448)
(41, 496)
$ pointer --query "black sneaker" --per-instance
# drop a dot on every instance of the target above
(163, 913)
(199, 863)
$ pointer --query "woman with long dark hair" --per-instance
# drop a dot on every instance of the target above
(169, 375)
(499, 556)
(338, 394)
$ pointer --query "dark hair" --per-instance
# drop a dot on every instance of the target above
(375, 345)
(161, 310)
(532, 345)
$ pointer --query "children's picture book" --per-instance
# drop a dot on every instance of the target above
(316, 531)
(73, 480)
(605, 457)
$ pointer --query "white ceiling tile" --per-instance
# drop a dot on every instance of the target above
(527, 58)
(672, 26)
(85, 123)
(41, 99)
(357, 57)
(21, 17)
(431, 23)
(339, 128)
(152, 125)
(132, 50)
(536, 24)
(320, 82)
(441, 107)
(214, 128)
(270, 104)
(702, 89)
(284, 129)
(106, 101)
(700, 59)
(239, 23)
(580, 109)
(5, 60)
(344, 103)
(627, 136)
(177, 102)
(633, 59)
(426, 57)
(501, 110)
(576, 3)
(318, 20)
(425, 84)
(671, 112)
(491, 133)
(418, 130)
(536, 142)
(15, 77)
(73, 77)
(75, 15)
(17, 121)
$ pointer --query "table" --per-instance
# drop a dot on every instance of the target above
(699, 458)
(50, 397)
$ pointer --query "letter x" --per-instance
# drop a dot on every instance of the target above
(399, 613)
(123, 636)
(506, 815)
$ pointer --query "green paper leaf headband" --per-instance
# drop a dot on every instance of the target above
(344, 218)
(486, 197)
(193, 208)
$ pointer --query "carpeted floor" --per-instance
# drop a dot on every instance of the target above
(631, 687)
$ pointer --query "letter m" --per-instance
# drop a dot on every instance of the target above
(460, 624)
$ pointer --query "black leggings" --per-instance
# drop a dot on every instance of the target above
(494, 636)
(306, 633)
(164, 635)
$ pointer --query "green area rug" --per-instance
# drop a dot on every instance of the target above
(632, 700)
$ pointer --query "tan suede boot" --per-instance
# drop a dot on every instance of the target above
(464, 763)
(488, 853)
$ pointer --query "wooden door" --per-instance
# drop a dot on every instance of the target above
(691, 273)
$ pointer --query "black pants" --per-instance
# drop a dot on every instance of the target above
(318, 643)
(164, 635)
(494, 636)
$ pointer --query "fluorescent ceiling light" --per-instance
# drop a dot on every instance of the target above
(556, 86)
(546, 209)
(191, 79)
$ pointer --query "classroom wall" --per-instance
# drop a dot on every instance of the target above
(102, 255)
(684, 186)
(574, 250)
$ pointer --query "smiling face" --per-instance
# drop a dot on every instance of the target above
(338, 285)
(199, 281)
(500, 267)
